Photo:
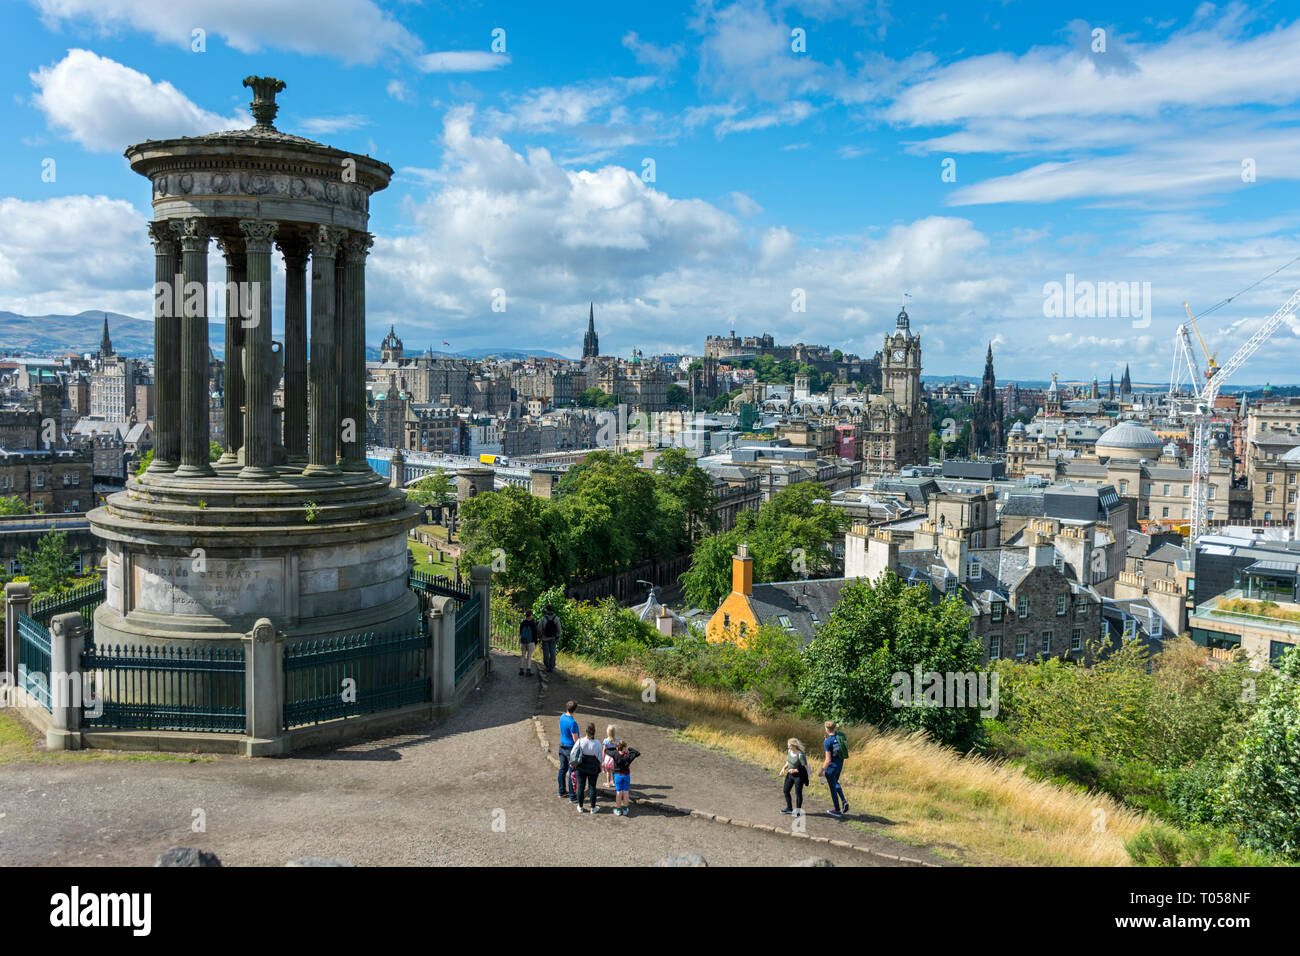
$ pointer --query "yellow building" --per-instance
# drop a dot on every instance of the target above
(735, 616)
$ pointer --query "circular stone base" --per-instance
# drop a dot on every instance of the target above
(201, 559)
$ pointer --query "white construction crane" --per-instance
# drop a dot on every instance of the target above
(1205, 396)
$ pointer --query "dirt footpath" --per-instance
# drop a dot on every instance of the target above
(475, 790)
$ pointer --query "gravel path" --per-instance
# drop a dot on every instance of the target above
(473, 790)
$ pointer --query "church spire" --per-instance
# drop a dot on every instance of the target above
(105, 343)
(590, 342)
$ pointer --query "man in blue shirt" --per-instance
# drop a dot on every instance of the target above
(831, 770)
(569, 733)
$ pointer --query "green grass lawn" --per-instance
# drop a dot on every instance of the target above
(20, 741)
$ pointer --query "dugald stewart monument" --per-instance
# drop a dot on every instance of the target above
(297, 530)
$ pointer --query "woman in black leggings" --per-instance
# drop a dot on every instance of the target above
(795, 771)
(585, 758)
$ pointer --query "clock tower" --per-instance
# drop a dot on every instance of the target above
(900, 365)
(898, 419)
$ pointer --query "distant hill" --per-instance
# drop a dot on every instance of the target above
(56, 334)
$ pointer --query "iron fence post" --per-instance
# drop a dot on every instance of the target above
(480, 583)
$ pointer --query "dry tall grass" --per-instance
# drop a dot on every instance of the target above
(970, 809)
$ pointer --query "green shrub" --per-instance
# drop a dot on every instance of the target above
(1159, 845)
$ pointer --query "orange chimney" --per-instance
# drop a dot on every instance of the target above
(742, 571)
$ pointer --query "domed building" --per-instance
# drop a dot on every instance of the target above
(1129, 440)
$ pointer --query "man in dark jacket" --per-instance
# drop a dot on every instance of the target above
(551, 631)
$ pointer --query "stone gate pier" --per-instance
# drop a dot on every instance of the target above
(290, 524)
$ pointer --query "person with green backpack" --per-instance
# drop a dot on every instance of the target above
(836, 748)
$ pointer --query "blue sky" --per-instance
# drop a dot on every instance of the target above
(1111, 156)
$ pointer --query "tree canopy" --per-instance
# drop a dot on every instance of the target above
(787, 537)
(608, 514)
(880, 630)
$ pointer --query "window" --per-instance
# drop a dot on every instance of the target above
(950, 584)
(1164, 512)
(995, 646)
(1123, 486)
(1184, 512)
(1268, 477)
(1268, 496)
(1166, 491)
(1058, 561)
(1130, 627)
(995, 611)
(1021, 640)
(1046, 648)
(1186, 490)
(1146, 488)
(1060, 604)
(726, 621)
(1212, 490)
(1157, 625)
(974, 569)
(1022, 607)
(1076, 639)
(1268, 516)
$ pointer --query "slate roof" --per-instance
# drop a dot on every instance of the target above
(806, 605)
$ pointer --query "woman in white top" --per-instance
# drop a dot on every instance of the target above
(585, 757)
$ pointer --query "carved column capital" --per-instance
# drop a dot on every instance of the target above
(294, 248)
(193, 234)
(163, 237)
(358, 244)
(325, 242)
(259, 232)
(232, 248)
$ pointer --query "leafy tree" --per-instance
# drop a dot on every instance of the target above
(708, 580)
(720, 403)
(13, 505)
(595, 398)
(685, 500)
(1260, 794)
(214, 451)
(516, 534)
(49, 567)
(145, 462)
(609, 508)
(435, 488)
(837, 355)
(882, 629)
(677, 395)
(787, 538)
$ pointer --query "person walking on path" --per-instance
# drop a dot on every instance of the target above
(527, 638)
(795, 771)
(585, 755)
(836, 748)
(623, 757)
(568, 737)
(552, 631)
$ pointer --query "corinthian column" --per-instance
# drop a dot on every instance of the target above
(166, 349)
(232, 414)
(353, 395)
(194, 351)
(259, 419)
(322, 383)
(295, 249)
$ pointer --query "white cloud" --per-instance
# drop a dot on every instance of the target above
(74, 253)
(353, 30)
(324, 125)
(461, 61)
(745, 206)
(106, 106)
(398, 90)
(663, 58)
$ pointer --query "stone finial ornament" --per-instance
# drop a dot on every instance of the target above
(264, 106)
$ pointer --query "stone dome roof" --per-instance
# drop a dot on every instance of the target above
(1292, 455)
(1129, 440)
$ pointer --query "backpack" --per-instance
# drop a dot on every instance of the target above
(841, 747)
(550, 627)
